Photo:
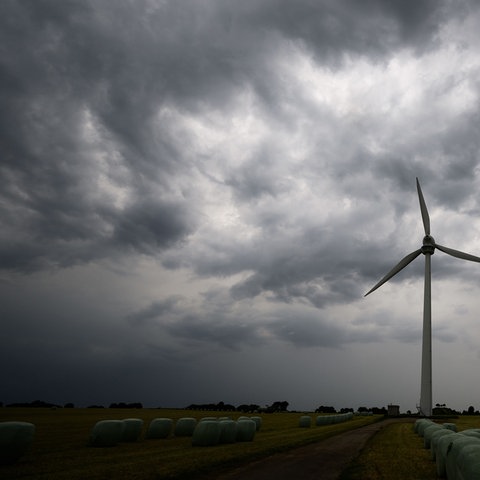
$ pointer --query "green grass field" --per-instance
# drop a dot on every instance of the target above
(397, 453)
(60, 449)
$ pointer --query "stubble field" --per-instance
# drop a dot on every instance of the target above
(60, 449)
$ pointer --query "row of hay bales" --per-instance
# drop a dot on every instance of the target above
(306, 420)
(208, 431)
(456, 455)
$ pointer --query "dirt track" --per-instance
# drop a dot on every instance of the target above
(323, 460)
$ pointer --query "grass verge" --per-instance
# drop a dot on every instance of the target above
(396, 452)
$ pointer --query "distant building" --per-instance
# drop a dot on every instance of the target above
(393, 410)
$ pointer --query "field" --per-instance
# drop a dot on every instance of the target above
(397, 453)
(60, 449)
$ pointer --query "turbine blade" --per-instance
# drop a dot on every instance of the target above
(399, 266)
(457, 253)
(423, 209)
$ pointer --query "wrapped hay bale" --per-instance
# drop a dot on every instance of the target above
(450, 426)
(436, 435)
(418, 423)
(323, 420)
(460, 442)
(15, 440)
(159, 428)
(415, 425)
(423, 425)
(228, 431)
(427, 434)
(305, 421)
(106, 433)
(206, 433)
(209, 419)
(246, 430)
(471, 432)
(185, 427)
(443, 445)
(132, 428)
(468, 463)
(258, 422)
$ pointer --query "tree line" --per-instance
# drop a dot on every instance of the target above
(244, 408)
(278, 406)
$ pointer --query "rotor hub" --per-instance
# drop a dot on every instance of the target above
(428, 246)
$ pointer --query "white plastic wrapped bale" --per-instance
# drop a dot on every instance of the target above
(323, 420)
(423, 425)
(132, 429)
(415, 425)
(471, 432)
(450, 426)
(460, 442)
(206, 433)
(159, 428)
(305, 421)
(435, 438)
(15, 440)
(428, 432)
(468, 463)
(185, 427)
(106, 433)
(421, 422)
(228, 431)
(258, 422)
(320, 420)
(246, 430)
(443, 445)
(204, 419)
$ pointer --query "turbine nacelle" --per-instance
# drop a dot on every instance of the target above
(428, 246)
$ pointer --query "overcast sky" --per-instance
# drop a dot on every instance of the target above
(196, 195)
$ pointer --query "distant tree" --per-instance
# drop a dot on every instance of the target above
(250, 408)
(220, 407)
(95, 406)
(277, 407)
(346, 410)
(362, 409)
(471, 410)
(224, 407)
(325, 409)
(126, 405)
(442, 409)
(69, 405)
(34, 404)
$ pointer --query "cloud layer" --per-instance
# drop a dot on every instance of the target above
(201, 187)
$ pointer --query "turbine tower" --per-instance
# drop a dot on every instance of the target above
(428, 249)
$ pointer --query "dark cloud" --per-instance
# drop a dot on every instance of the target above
(187, 181)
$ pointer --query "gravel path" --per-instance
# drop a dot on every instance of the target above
(323, 460)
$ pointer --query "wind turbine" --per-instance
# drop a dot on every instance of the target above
(428, 249)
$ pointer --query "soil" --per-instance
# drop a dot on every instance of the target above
(325, 460)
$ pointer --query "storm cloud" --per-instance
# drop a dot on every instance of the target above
(195, 190)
